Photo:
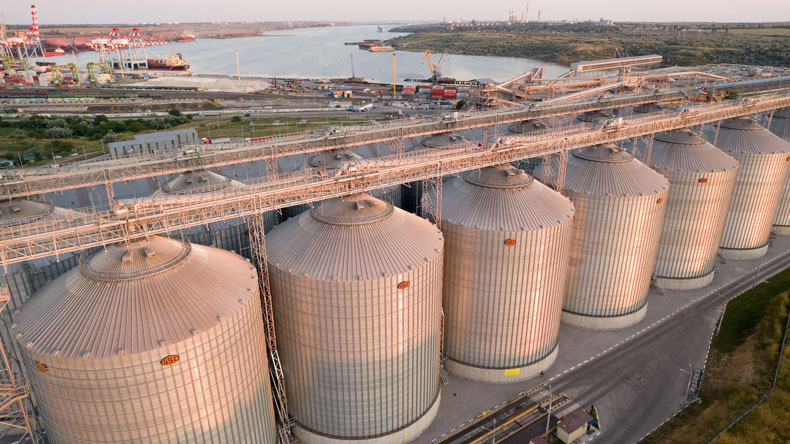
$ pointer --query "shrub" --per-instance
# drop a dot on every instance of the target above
(109, 137)
(235, 119)
(57, 133)
(174, 112)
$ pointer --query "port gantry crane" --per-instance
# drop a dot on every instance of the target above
(128, 219)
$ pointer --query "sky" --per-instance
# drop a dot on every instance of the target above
(138, 11)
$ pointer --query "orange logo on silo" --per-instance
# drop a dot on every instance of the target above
(510, 242)
(40, 366)
(170, 360)
(404, 285)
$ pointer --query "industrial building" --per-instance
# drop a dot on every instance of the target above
(764, 159)
(153, 143)
(356, 285)
(620, 206)
(153, 332)
(506, 251)
(701, 180)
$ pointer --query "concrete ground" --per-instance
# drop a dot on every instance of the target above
(637, 376)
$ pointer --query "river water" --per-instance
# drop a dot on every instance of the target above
(321, 53)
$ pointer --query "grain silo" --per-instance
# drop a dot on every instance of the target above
(155, 341)
(26, 278)
(412, 192)
(701, 179)
(764, 160)
(526, 127)
(780, 125)
(620, 204)
(596, 116)
(506, 253)
(337, 158)
(357, 287)
(230, 234)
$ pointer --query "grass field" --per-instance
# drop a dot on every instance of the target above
(740, 369)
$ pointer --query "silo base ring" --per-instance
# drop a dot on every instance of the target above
(743, 254)
(401, 436)
(782, 230)
(500, 375)
(604, 322)
(684, 284)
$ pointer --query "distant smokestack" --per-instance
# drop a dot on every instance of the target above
(526, 20)
(538, 15)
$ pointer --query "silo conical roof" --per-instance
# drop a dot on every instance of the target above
(334, 158)
(744, 135)
(684, 150)
(503, 198)
(354, 237)
(780, 123)
(608, 170)
(527, 126)
(135, 297)
(197, 181)
(442, 139)
(20, 211)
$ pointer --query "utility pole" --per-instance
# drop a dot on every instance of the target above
(394, 78)
(548, 413)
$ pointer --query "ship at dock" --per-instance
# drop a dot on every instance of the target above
(168, 63)
(186, 36)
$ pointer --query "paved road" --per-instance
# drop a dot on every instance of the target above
(638, 385)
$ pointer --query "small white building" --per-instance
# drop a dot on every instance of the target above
(152, 143)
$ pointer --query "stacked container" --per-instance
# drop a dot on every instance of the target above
(764, 159)
(154, 341)
(357, 286)
(701, 180)
(620, 205)
(507, 240)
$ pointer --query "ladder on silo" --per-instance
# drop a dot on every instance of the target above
(257, 234)
(14, 394)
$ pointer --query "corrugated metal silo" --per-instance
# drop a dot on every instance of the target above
(620, 205)
(531, 126)
(780, 125)
(155, 341)
(357, 288)
(764, 159)
(412, 192)
(597, 116)
(26, 278)
(230, 234)
(701, 179)
(507, 240)
(333, 159)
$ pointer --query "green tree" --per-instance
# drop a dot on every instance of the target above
(57, 133)
(235, 119)
(174, 112)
